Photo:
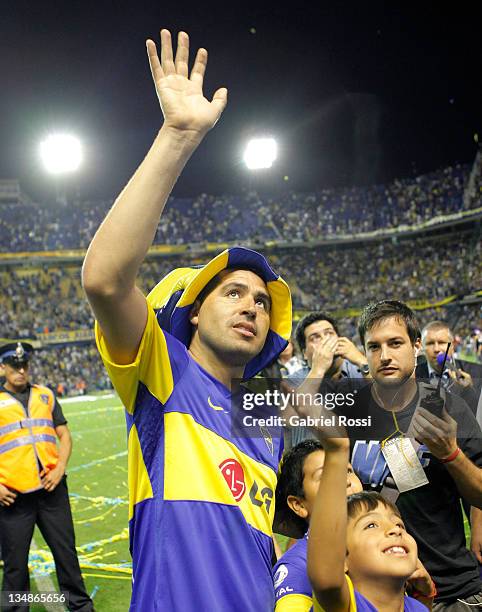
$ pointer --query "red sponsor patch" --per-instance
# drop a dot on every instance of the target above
(234, 476)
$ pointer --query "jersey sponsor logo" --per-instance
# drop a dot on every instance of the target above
(267, 438)
(7, 402)
(285, 591)
(234, 476)
(266, 496)
(280, 575)
(44, 398)
(213, 406)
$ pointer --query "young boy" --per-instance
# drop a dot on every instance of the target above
(298, 482)
(359, 554)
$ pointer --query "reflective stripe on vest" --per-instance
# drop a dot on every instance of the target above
(25, 424)
(26, 440)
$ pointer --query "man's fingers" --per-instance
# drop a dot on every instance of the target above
(220, 99)
(442, 423)
(154, 63)
(182, 54)
(424, 429)
(167, 62)
(333, 344)
(199, 68)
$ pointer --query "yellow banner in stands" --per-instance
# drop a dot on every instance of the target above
(66, 336)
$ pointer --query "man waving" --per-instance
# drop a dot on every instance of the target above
(201, 499)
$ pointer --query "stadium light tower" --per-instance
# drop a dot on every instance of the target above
(61, 153)
(260, 153)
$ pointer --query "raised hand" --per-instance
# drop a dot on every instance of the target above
(346, 349)
(183, 104)
(323, 355)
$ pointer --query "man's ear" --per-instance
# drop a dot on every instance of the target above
(297, 505)
(194, 314)
(417, 345)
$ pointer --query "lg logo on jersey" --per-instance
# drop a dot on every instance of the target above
(233, 474)
(266, 496)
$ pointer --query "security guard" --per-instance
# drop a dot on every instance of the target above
(33, 487)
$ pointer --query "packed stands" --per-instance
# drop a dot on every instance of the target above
(325, 215)
(338, 250)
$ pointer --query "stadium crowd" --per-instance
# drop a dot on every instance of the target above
(328, 213)
(333, 280)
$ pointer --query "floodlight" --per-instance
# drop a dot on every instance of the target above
(260, 153)
(61, 153)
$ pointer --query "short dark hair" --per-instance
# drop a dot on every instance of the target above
(367, 501)
(290, 482)
(218, 279)
(308, 320)
(378, 311)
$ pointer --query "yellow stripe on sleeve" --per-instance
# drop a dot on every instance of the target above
(151, 366)
(295, 602)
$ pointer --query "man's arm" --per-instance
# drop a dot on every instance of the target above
(347, 349)
(321, 361)
(122, 241)
(51, 479)
(440, 437)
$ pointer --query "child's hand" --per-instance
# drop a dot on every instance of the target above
(335, 444)
(420, 582)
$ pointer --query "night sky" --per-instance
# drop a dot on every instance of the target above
(355, 93)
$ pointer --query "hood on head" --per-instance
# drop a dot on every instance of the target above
(173, 297)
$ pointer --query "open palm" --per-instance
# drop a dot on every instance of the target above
(181, 97)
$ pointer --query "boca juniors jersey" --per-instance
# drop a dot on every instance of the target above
(292, 586)
(201, 501)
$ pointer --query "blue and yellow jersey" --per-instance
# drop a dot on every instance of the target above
(358, 603)
(201, 502)
(293, 591)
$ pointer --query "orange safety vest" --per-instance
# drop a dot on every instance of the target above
(27, 439)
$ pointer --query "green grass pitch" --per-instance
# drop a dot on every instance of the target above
(97, 481)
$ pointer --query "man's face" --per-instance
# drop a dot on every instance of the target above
(16, 375)
(312, 471)
(314, 333)
(435, 343)
(389, 351)
(233, 320)
(378, 545)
